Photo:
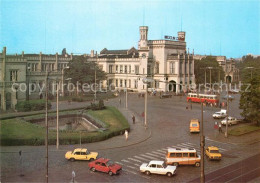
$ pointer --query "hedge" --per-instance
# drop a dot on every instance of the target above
(31, 105)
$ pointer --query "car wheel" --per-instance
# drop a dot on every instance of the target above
(110, 173)
(72, 159)
(197, 164)
(175, 164)
(147, 172)
(93, 169)
(91, 159)
(169, 174)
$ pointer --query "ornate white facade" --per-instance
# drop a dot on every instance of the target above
(166, 62)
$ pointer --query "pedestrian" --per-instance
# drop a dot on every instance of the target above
(219, 128)
(120, 101)
(126, 135)
(133, 118)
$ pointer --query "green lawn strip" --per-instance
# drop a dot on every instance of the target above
(18, 131)
(241, 130)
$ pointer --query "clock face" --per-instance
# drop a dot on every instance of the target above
(143, 55)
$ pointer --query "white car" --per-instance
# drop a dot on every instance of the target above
(157, 167)
(220, 114)
(231, 121)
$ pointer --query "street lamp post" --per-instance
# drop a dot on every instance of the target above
(146, 81)
(202, 144)
(57, 110)
(226, 132)
(46, 124)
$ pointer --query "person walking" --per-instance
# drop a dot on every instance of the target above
(126, 135)
(133, 118)
(120, 101)
(219, 128)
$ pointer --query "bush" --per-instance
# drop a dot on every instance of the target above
(31, 105)
(97, 106)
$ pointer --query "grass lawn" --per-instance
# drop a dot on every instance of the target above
(243, 129)
(17, 131)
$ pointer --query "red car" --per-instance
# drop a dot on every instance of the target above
(105, 165)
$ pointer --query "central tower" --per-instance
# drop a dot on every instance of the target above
(143, 36)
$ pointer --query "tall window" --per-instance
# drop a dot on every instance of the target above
(129, 69)
(121, 69)
(149, 69)
(136, 69)
(136, 83)
(125, 83)
(116, 68)
(125, 68)
(172, 67)
(121, 82)
(116, 82)
(156, 70)
(129, 83)
(13, 75)
(110, 69)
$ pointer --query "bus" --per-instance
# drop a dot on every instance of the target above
(194, 97)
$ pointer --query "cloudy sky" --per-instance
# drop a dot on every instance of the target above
(230, 28)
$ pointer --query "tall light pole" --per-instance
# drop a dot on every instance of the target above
(57, 110)
(95, 84)
(46, 124)
(202, 144)
(146, 81)
(226, 132)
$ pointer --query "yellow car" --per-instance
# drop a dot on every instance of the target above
(194, 126)
(81, 154)
(213, 153)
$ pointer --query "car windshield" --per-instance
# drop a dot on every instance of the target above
(194, 125)
(109, 163)
(214, 151)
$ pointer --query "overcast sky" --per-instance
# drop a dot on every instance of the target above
(229, 28)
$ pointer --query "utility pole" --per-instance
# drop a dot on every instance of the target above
(46, 124)
(202, 144)
(226, 133)
(57, 110)
(145, 106)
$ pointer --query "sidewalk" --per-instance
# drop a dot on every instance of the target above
(246, 139)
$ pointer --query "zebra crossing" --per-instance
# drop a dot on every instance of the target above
(132, 164)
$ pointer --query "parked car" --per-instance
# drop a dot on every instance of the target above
(213, 153)
(105, 165)
(230, 121)
(157, 167)
(220, 114)
(81, 154)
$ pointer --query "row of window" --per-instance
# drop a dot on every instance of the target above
(180, 155)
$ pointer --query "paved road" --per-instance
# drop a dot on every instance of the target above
(242, 171)
(169, 121)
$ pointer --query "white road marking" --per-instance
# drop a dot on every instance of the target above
(141, 158)
(130, 167)
(149, 157)
(154, 155)
(134, 160)
(159, 153)
(119, 163)
(219, 142)
(129, 171)
(125, 160)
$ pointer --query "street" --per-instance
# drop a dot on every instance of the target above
(168, 120)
